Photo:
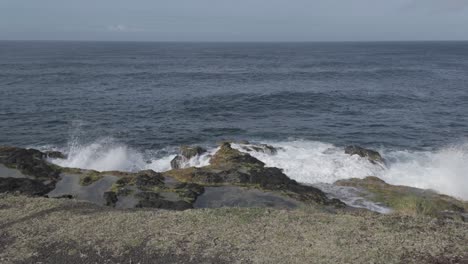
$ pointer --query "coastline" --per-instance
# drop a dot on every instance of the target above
(251, 214)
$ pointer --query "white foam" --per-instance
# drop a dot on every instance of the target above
(106, 155)
(313, 162)
(444, 170)
(103, 155)
(160, 164)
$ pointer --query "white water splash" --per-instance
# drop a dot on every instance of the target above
(108, 155)
(444, 170)
(164, 163)
(103, 155)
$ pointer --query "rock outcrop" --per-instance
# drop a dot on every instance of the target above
(24, 186)
(39, 175)
(151, 189)
(408, 200)
(230, 166)
(55, 155)
(185, 154)
(262, 148)
(30, 162)
(372, 155)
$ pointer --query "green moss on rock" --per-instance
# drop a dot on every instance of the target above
(406, 200)
(229, 166)
(90, 178)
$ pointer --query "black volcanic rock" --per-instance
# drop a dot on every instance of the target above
(55, 155)
(230, 166)
(262, 148)
(185, 154)
(372, 155)
(30, 162)
(24, 186)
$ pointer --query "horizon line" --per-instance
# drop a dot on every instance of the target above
(230, 41)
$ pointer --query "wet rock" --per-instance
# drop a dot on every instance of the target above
(155, 200)
(149, 179)
(152, 189)
(110, 198)
(30, 162)
(189, 191)
(230, 166)
(24, 186)
(178, 162)
(185, 154)
(262, 148)
(55, 155)
(227, 157)
(407, 200)
(190, 152)
(372, 155)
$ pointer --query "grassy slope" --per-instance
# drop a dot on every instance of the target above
(35, 229)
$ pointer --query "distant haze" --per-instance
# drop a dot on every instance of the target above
(234, 20)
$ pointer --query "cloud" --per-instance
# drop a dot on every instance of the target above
(123, 28)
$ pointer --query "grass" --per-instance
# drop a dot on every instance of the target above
(30, 227)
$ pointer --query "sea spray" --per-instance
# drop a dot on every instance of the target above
(444, 170)
(107, 154)
(102, 155)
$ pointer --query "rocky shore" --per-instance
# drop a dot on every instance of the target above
(236, 209)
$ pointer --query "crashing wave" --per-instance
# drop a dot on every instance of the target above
(444, 170)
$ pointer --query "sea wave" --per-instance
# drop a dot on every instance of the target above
(444, 170)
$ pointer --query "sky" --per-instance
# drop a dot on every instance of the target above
(234, 20)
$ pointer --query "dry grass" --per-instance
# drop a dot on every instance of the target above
(31, 225)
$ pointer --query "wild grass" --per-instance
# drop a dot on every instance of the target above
(236, 235)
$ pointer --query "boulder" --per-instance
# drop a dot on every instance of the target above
(185, 154)
(372, 155)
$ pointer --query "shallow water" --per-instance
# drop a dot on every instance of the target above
(6, 172)
(69, 184)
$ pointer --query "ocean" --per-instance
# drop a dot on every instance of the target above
(129, 105)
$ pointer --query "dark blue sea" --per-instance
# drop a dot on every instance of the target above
(128, 105)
